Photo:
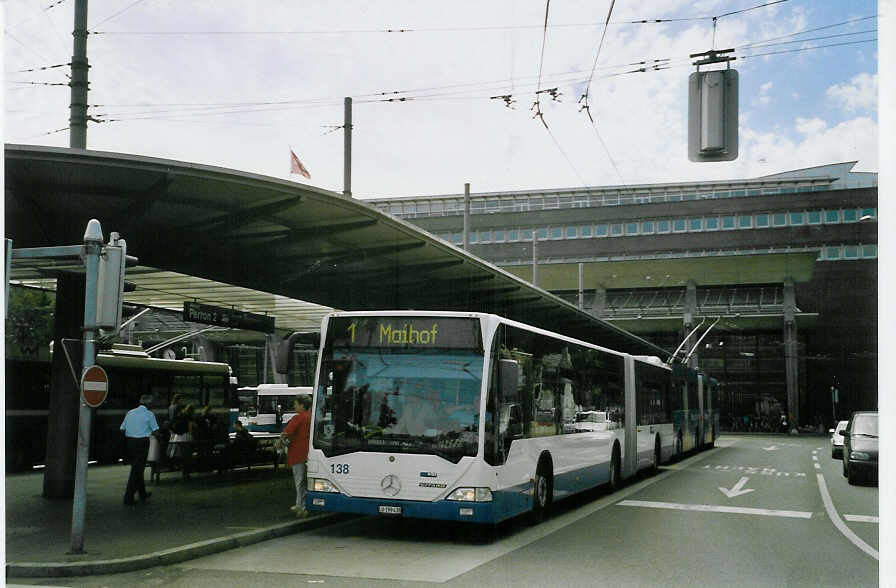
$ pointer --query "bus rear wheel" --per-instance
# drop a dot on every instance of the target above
(615, 470)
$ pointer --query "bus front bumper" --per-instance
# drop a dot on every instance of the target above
(446, 510)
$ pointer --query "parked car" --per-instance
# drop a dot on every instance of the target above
(860, 447)
(837, 439)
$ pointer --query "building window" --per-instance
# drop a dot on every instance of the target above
(869, 251)
(550, 202)
(572, 232)
(754, 192)
(761, 220)
(395, 209)
(711, 223)
(744, 222)
(779, 219)
(536, 203)
(647, 228)
(850, 215)
(662, 226)
(869, 212)
(542, 233)
(556, 232)
(485, 236)
(513, 235)
(695, 224)
(616, 229)
(814, 217)
(459, 238)
(600, 230)
(585, 231)
(831, 217)
(850, 251)
(737, 193)
(678, 225)
(476, 206)
(721, 195)
(631, 228)
(527, 234)
(472, 237)
(728, 222)
(832, 253)
(796, 219)
(437, 207)
(499, 236)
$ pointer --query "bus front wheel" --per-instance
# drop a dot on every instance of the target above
(542, 491)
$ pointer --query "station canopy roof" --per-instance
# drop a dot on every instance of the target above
(259, 244)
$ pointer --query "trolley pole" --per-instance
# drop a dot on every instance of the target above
(93, 245)
(77, 120)
(347, 158)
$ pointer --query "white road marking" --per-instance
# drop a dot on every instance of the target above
(838, 522)
(861, 518)
(771, 448)
(737, 489)
(817, 466)
(814, 458)
(814, 451)
(794, 514)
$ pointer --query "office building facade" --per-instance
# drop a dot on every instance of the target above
(776, 276)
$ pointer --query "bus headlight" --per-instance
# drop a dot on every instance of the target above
(860, 455)
(322, 485)
(471, 495)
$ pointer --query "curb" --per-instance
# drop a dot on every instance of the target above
(164, 557)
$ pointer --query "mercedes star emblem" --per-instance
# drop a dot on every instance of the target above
(391, 485)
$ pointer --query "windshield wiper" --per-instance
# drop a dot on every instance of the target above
(865, 435)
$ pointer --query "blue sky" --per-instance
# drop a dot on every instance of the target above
(798, 109)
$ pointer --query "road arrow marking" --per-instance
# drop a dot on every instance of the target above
(737, 489)
(771, 448)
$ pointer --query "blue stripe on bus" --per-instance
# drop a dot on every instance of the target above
(504, 505)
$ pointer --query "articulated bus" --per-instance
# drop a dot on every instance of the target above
(271, 405)
(132, 372)
(473, 417)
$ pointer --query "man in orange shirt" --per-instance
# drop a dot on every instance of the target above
(298, 431)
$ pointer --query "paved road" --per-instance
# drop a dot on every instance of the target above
(751, 512)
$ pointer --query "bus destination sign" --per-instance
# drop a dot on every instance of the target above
(195, 312)
(405, 331)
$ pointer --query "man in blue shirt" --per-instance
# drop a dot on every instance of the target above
(138, 425)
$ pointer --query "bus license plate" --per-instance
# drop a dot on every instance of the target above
(390, 509)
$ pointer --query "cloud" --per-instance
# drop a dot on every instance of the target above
(764, 89)
(860, 94)
(810, 126)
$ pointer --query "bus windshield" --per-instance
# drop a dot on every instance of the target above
(400, 399)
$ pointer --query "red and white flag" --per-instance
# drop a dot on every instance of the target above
(296, 167)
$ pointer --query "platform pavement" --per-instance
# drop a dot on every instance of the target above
(183, 519)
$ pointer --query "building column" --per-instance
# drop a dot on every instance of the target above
(791, 364)
(62, 414)
(599, 304)
(690, 309)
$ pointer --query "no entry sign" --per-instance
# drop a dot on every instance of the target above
(94, 386)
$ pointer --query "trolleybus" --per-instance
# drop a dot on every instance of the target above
(472, 417)
(132, 372)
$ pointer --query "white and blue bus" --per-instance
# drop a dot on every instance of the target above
(270, 406)
(472, 417)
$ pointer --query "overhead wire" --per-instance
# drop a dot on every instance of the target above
(123, 10)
